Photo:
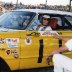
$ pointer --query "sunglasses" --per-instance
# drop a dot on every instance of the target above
(45, 19)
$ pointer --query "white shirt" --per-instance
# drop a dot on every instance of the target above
(69, 44)
(46, 28)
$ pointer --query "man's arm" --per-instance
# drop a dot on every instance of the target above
(61, 49)
(62, 38)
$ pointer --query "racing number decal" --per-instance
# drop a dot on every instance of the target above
(60, 43)
(40, 51)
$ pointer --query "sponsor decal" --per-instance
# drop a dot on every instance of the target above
(28, 41)
(2, 40)
(12, 45)
(16, 56)
(48, 33)
(12, 42)
(8, 52)
(12, 51)
(36, 34)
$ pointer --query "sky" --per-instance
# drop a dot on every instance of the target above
(35, 2)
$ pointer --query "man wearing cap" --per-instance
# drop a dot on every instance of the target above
(45, 23)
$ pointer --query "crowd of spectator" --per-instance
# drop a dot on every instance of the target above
(50, 7)
(12, 6)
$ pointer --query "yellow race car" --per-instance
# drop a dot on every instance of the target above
(22, 46)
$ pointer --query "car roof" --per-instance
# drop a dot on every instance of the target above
(43, 11)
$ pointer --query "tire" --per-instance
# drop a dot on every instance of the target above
(3, 66)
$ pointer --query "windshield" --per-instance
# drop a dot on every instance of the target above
(16, 20)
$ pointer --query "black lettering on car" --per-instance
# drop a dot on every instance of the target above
(60, 43)
(40, 51)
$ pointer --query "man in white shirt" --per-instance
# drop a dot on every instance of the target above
(45, 24)
(61, 62)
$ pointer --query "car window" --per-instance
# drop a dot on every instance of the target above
(67, 23)
(16, 20)
(69, 18)
(62, 24)
(37, 23)
(34, 24)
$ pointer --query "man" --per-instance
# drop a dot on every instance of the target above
(61, 62)
(45, 24)
(53, 23)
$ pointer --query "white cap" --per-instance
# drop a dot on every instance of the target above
(46, 16)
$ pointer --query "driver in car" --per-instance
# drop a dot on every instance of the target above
(45, 23)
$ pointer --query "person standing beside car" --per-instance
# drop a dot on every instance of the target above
(61, 62)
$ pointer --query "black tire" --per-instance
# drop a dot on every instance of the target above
(3, 66)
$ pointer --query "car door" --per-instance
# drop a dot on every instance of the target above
(35, 46)
(10, 48)
(29, 49)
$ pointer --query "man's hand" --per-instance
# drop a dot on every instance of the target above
(56, 36)
(49, 59)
